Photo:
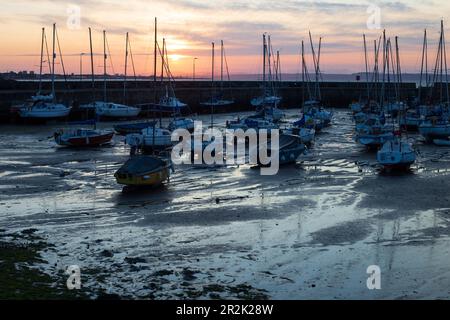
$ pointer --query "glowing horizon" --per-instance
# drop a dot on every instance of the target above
(189, 27)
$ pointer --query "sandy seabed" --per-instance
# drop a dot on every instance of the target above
(308, 233)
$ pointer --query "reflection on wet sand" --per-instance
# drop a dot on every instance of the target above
(228, 232)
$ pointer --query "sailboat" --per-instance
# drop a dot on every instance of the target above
(109, 109)
(82, 137)
(169, 102)
(217, 98)
(396, 154)
(436, 126)
(267, 103)
(45, 106)
(137, 127)
(313, 107)
(290, 148)
(153, 138)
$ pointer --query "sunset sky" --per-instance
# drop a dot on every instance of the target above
(189, 27)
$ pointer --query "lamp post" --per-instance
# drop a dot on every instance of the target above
(81, 66)
(193, 73)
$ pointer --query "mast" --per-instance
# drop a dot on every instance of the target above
(221, 66)
(163, 58)
(92, 70)
(212, 85)
(278, 75)
(155, 51)
(105, 57)
(269, 59)
(319, 94)
(40, 64)
(367, 68)
(445, 64)
(424, 61)
(303, 74)
(399, 69)
(264, 59)
(384, 71)
(126, 65)
(53, 62)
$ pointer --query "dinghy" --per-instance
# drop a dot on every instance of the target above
(144, 171)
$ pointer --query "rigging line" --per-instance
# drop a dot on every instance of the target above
(61, 57)
(169, 74)
(110, 56)
(48, 55)
(132, 61)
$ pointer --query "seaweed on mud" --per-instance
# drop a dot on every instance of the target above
(19, 279)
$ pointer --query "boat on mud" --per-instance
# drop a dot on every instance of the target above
(150, 139)
(83, 138)
(43, 106)
(144, 171)
(373, 133)
(396, 154)
(290, 148)
(129, 128)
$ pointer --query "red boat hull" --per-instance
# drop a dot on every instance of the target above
(90, 141)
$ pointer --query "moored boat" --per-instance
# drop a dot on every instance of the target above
(124, 129)
(396, 154)
(144, 171)
(45, 106)
(83, 137)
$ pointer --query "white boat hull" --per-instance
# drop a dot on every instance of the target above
(48, 112)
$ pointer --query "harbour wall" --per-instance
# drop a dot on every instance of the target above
(334, 94)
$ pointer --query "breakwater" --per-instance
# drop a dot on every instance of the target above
(334, 94)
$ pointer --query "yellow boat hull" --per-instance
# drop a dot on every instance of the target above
(147, 180)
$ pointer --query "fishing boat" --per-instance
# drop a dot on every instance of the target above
(45, 106)
(83, 137)
(396, 154)
(144, 171)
